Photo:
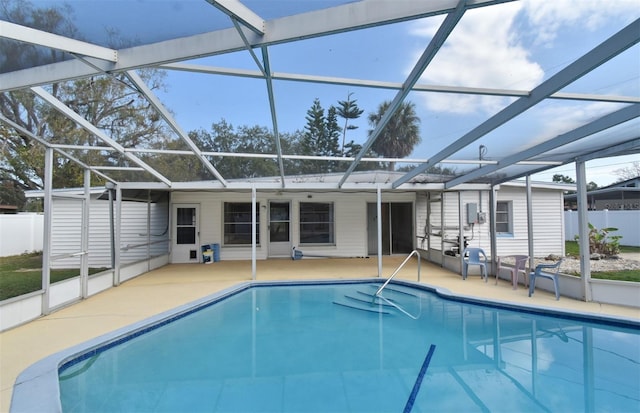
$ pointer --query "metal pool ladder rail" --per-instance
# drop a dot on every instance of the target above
(414, 252)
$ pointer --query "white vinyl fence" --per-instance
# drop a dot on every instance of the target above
(627, 222)
(20, 233)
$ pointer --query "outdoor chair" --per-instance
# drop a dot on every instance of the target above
(520, 266)
(545, 271)
(474, 256)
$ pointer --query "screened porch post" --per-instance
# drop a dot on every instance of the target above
(84, 236)
(379, 223)
(583, 230)
(46, 240)
(530, 223)
(117, 236)
(442, 226)
(492, 228)
(148, 230)
(461, 233)
(253, 232)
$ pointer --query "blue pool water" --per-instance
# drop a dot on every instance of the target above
(326, 348)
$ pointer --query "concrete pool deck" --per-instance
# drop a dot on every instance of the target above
(173, 285)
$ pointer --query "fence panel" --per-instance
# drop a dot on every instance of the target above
(20, 233)
(627, 222)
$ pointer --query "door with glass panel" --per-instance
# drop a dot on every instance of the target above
(186, 233)
(280, 229)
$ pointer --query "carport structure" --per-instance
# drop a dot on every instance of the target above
(204, 40)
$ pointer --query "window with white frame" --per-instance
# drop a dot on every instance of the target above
(237, 223)
(316, 223)
(504, 217)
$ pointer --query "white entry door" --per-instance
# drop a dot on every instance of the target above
(186, 233)
(280, 229)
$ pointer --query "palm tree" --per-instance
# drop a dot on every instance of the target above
(400, 135)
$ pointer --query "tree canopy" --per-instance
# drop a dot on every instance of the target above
(400, 135)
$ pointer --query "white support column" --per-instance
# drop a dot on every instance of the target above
(379, 223)
(461, 232)
(148, 230)
(530, 222)
(253, 232)
(84, 236)
(492, 228)
(583, 230)
(442, 228)
(117, 237)
(46, 240)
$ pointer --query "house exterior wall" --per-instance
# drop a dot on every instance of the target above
(66, 232)
(350, 219)
(548, 224)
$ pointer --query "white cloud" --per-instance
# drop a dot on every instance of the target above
(487, 47)
(548, 17)
(481, 52)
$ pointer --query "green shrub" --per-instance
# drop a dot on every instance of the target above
(601, 242)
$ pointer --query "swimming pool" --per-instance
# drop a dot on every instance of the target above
(323, 347)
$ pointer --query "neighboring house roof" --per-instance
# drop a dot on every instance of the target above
(621, 195)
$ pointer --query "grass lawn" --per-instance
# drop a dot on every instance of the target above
(21, 274)
(572, 249)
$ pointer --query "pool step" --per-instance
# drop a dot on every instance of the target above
(366, 305)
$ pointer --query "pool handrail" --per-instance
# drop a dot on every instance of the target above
(402, 310)
(414, 252)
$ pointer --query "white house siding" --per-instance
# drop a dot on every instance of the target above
(547, 206)
(547, 220)
(66, 231)
(350, 219)
(477, 235)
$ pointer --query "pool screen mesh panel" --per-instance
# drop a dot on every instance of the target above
(254, 69)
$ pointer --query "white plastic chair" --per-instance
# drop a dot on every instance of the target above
(476, 256)
(546, 271)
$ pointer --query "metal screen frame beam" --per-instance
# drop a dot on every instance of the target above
(348, 17)
(380, 84)
(625, 148)
(427, 56)
(238, 11)
(610, 120)
(85, 124)
(54, 41)
(605, 51)
(274, 116)
(168, 117)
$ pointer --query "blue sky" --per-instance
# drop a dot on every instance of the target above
(513, 46)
